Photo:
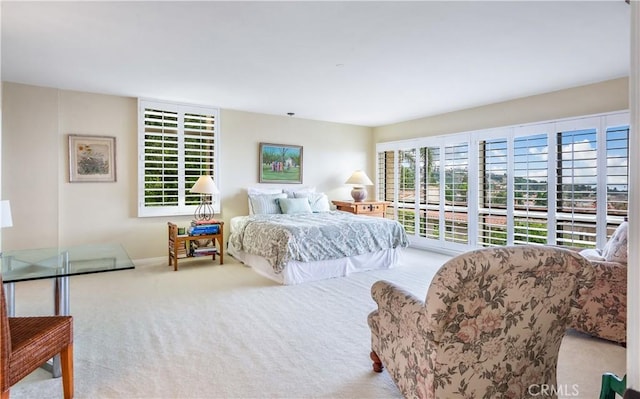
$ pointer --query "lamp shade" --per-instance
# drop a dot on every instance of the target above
(359, 178)
(5, 214)
(205, 185)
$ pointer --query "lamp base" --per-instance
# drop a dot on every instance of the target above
(204, 211)
(358, 194)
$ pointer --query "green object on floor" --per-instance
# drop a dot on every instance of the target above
(612, 385)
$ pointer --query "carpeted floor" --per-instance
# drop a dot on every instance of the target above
(210, 331)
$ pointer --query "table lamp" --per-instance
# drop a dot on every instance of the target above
(359, 179)
(206, 188)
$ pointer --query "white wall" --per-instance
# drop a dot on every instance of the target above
(50, 211)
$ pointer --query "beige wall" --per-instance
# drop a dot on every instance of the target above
(30, 165)
(49, 211)
(612, 95)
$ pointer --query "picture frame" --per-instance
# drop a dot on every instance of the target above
(280, 163)
(92, 159)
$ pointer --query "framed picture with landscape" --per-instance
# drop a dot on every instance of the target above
(92, 158)
(280, 163)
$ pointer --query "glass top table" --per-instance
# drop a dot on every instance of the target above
(44, 263)
(59, 264)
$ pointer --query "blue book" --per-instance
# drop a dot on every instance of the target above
(200, 230)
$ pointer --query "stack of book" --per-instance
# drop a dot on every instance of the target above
(201, 227)
(202, 251)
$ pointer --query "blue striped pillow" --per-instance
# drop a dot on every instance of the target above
(266, 204)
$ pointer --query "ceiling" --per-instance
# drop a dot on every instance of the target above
(363, 63)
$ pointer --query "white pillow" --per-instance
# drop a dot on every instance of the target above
(319, 202)
(263, 190)
(616, 248)
(291, 192)
(253, 191)
(266, 204)
(592, 254)
(294, 205)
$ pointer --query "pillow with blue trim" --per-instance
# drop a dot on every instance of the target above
(290, 206)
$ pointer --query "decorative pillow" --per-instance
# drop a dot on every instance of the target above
(291, 193)
(294, 205)
(253, 191)
(266, 204)
(319, 202)
(616, 248)
(592, 254)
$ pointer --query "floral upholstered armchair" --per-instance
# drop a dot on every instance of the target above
(604, 313)
(491, 325)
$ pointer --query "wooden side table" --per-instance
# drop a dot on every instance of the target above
(179, 244)
(368, 208)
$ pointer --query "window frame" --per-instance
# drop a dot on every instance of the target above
(182, 208)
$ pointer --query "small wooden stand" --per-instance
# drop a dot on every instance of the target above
(179, 244)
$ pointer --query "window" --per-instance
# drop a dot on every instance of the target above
(563, 182)
(177, 144)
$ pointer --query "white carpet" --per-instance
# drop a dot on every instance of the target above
(210, 331)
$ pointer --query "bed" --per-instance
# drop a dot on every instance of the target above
(312, 244)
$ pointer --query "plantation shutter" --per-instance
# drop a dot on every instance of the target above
(617, 139)
(493, 180)
(530, 189)
(386, 181)
(576, 175)
(456, 174)
(429, 192)
(177, 144)
(406, 194)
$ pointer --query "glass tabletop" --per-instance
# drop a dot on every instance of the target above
(42, 263)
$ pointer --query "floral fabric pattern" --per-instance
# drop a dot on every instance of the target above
(604, 312)
(490, 327)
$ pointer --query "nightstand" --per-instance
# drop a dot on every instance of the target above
(368, 208)
(179, 245)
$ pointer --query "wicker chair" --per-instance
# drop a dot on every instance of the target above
(28, 342)
(490, 327)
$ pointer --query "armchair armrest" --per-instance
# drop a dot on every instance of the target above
(610, 271)
(393, 299)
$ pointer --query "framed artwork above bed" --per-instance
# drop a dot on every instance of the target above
(280, 163)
